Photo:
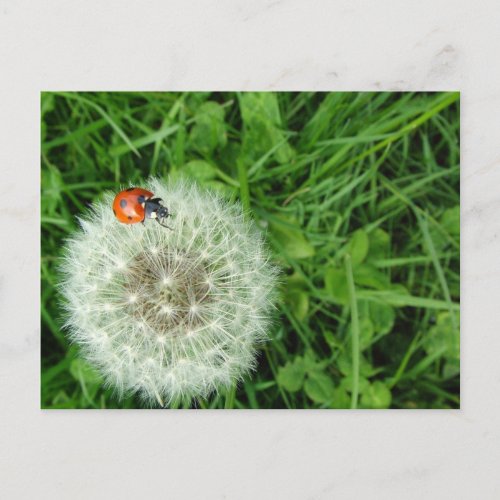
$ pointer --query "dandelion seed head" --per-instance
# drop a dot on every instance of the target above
(169, 314)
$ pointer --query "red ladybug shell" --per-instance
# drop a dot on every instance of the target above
(128, 205)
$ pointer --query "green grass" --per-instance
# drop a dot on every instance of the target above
(359, 196)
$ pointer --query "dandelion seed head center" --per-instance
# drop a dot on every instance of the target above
(167, 309)
(170, 293)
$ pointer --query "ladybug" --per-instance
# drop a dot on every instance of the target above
(136, 205)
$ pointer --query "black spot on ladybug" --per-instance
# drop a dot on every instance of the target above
(123, 203)
(129, 217)
(141, 199)
(129, 189)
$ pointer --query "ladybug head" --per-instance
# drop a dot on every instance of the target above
(162, 212)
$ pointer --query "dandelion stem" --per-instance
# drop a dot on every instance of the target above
(159, 399)
(354, 330)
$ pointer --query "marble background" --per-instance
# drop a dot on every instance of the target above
(249, 45)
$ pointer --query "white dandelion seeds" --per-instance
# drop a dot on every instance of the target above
(169, 314)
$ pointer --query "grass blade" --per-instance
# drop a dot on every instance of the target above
(355, 331)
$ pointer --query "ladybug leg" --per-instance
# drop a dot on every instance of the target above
(163, 225)
(162, 218)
